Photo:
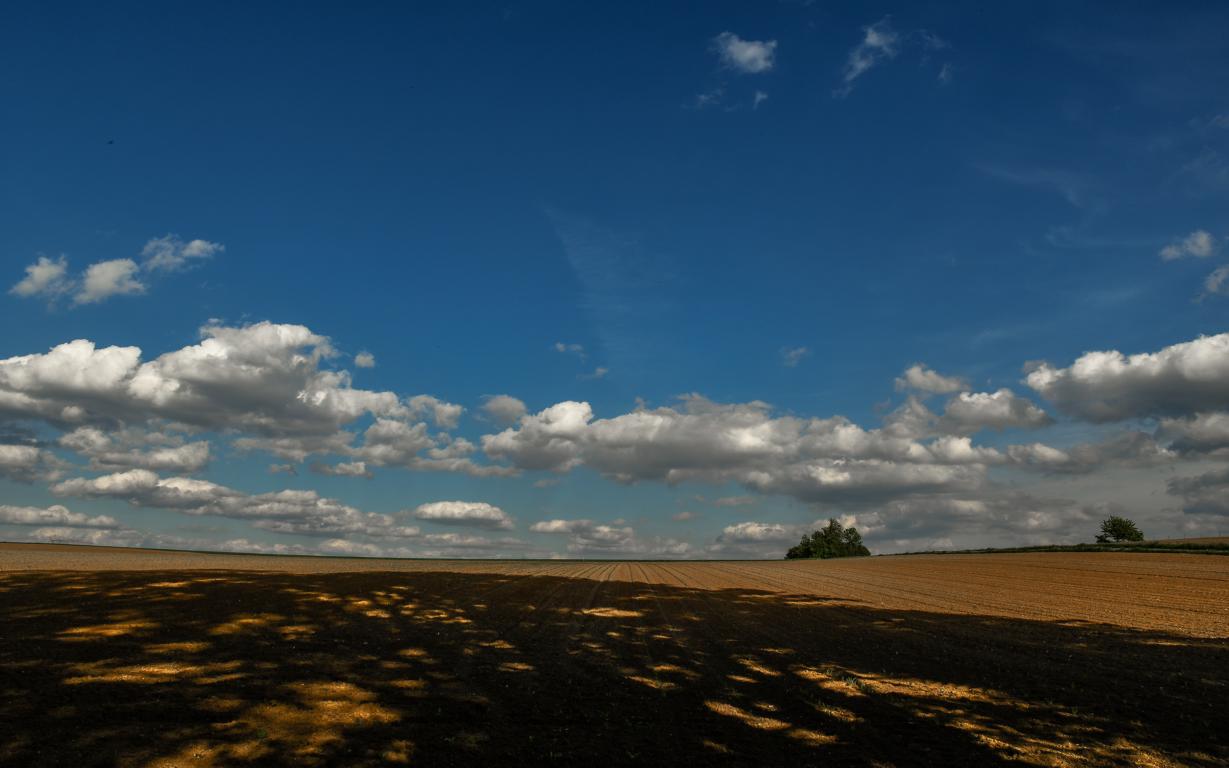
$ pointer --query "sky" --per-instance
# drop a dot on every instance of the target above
(650, 280)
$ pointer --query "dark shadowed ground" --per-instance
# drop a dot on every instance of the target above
(439, 667)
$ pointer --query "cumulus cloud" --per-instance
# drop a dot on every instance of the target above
(266, 383)
(105, 279)
(504, 409)
(971, 412)
(809, 459)
(28, 463)
(922, 379)
(129, 449)
(1126, 449)
(1199, 244)
(97, 537)
(791, 356)
(590, 539)
(365, 360)
(1203, 433)
(287, 511)
(1179, 380)
(474, 514)
(53, 515)
(49, 278)
(171, 254)
(444, 415)
(46, 277)
(745, 56)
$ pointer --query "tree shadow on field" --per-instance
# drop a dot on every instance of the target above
(178, 668)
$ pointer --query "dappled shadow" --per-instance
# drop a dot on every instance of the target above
(442, 668)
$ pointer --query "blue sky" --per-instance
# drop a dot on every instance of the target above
(699, 244)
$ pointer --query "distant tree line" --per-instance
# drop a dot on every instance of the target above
(830, 541)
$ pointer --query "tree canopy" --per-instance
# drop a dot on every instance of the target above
(1115, 528)
(830, 541)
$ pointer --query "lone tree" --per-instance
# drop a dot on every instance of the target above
(1115, 528)
(830, 541)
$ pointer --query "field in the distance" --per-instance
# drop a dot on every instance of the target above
(121, 657)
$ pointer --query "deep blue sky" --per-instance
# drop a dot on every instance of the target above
(458, 188)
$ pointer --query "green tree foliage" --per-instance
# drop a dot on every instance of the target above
(830, 541)
(1116, 528)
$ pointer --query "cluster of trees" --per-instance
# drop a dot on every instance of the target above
(830, 541)
(1115, 528)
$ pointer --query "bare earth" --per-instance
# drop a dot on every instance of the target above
(135, 658)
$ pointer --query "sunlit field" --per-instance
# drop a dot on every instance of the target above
(138, 658)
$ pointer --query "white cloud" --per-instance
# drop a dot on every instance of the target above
(879, 42)
(101, 280)
(970, 412)
(109, 278)
(46, 277)
(810, 459)
(745, 56)
(171, 254)
(264, 383)
(598, 373)
(945, 74)
(791, 356)
(570, 349)
(735, 501)
(759, 98)
(1199, 244)
(1179, 380)
(365, 360)
(53, 515)
(504, 409)
(475, 514)
(758, 532)
(919, 377)
(562, 526)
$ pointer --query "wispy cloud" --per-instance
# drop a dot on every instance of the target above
(879, 43)
(1199, 244)
(791, 356)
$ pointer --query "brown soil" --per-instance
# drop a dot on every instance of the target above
(127, 658)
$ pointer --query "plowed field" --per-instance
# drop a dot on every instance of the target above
(127, 658)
